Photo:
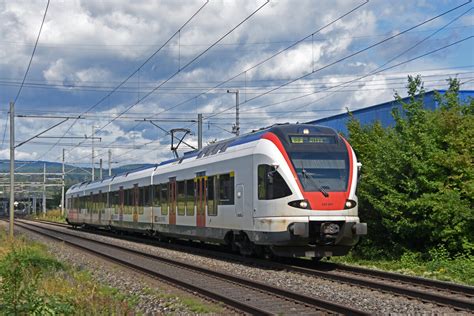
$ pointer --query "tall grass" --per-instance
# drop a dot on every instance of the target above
(32, 282)
(51, 215)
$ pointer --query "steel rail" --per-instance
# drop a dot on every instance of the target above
(280, 294)
(329, 271)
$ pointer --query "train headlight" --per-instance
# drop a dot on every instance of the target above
(304, 204)
(350, 204)
(306, 131)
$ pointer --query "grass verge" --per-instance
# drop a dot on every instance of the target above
(438, 266)
(51, 215)
(33, 282)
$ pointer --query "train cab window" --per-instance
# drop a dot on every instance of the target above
(190, 197)
(211, 196)
(271, 184)
(164, 199)
(226, 189)
(181, 198)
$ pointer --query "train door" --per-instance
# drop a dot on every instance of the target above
(201, 194)
(172, 201)
(239, 204)
(122, 198)
(136, 196)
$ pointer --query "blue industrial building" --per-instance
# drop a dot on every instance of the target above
(382, 112)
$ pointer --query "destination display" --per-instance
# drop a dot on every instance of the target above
(312, 139)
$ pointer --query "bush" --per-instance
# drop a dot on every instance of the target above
(417, 188)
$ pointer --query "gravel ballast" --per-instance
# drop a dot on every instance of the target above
(153, 297)
(368, 300)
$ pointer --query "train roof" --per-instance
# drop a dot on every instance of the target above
(211, 149)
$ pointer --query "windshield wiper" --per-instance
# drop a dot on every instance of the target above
(306, 175)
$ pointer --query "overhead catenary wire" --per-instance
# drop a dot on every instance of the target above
(282, 89)
(422, 55)
(130, 76)
(78, 45)
(27, 70)
(255, 89)
(377, 70)
(239, 83)
(263, 61)
(349, 55)
(186, 65)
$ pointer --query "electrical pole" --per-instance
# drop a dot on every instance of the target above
(93, 167)
(12, 167)
(236, 127)
(62, 187)
(199, 131)
(110, 162)
(44, 188)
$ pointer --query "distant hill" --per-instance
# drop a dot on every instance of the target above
(74, 174)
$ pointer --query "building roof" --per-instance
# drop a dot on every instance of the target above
(382, 112)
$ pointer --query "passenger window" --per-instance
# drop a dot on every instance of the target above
(145, 194)
(129, 201)
(115, 201)
(190, 198)
(164, 199)
(271, 184)
(156, 195)
(211, 202)
(181, 198)
(226, 189)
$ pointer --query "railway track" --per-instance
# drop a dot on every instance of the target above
(456, 296)
(240, 293)
(459, 297)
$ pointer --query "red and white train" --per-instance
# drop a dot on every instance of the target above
(288, 189)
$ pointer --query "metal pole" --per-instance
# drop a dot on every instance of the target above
(110, 162)
(12, 167)
(237, 120)
(199, 131)
(100, 170)
(34, 204)
(236, 127)
(93, 168)
(62, 186)
(44, 188)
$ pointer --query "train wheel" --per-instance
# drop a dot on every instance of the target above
(246, 247)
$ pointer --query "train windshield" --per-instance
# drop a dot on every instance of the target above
(322, 171)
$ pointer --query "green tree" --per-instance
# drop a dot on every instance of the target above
(417, 188)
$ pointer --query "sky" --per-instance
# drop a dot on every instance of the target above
(116, 63)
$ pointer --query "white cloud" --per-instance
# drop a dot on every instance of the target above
(98, 43)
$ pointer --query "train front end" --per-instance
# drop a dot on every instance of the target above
(319, 217)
